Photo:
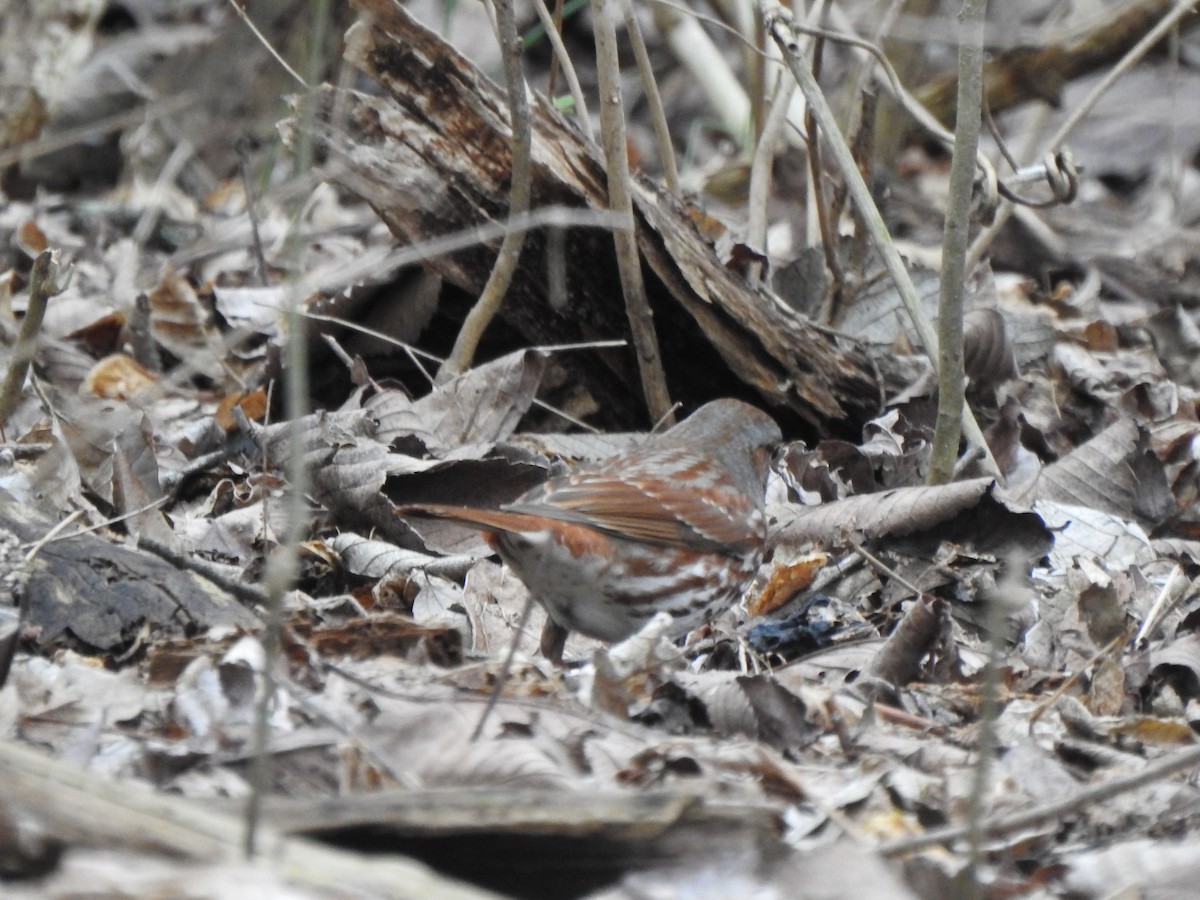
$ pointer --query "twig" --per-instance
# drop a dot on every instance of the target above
(251, 595)
(557, 21)
(1068, 683)
(1124, 64)
(822, 216)
(492, 295)
(891, 82)
(857, 253)
(415, 352)
(242, 147)
(908, 59)
(620, 201)
(1173, 590)
(754, 63)
(986, 741)
(281, 565)
(998, 826)
(335, 278)
(564, 60)
(760, 174)
(43, 285)
(148, 221)
(55, 534)
(505, 669)
(988, 234)
(263, 40)
(706, 64)
(883, 568)
(1057, 59)
(780, 25)
(658, 115)
(951, 379)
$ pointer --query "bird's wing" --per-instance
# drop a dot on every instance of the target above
(678, 499)
(484, 519)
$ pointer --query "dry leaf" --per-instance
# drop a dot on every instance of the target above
(119, 377)
(787, 580)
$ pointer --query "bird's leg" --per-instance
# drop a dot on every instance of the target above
(553, 640)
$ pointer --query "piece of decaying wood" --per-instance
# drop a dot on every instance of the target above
(101, 591)
(81, 808)
(432, 157)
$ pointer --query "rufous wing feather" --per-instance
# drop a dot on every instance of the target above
(486, 519)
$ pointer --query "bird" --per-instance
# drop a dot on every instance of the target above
(676, 525)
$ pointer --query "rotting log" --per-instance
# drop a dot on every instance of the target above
(432, 155)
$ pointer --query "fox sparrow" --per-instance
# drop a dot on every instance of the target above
(675, 526)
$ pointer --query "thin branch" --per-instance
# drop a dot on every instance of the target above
(416, 353)
(557, 21)
(951, 380)
(1124, 64)
(1073, 679)
(620, 201)
(891, 81)
(180, 156)
(282, 565)
(883, 29)
(658, 115)
(696, 51)
(492, 295)
(242, 148)
(343, 274)
(987, 741)
(250, 595)
(760, 173)
(505, 669)
(43, 285)
(998, 826)
(242, 14)
(564, 60)
(780, 25)
(842, 285)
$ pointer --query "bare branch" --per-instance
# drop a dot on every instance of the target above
(492, 296)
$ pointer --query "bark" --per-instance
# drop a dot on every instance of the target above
(432, 156)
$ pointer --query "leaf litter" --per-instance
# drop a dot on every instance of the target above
(744, 758)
